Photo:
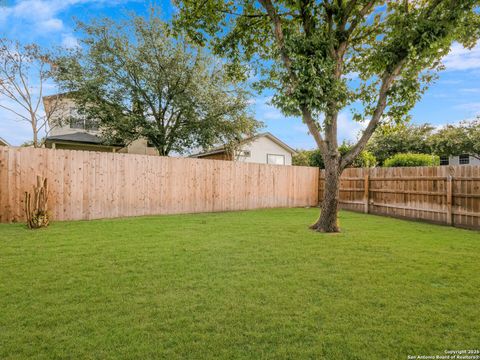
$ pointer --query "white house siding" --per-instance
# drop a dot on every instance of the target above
(260, 148)
(455, 160)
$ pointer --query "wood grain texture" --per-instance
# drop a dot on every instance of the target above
(93, 185)
(443, 194)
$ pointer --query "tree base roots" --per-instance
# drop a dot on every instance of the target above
(324, 229)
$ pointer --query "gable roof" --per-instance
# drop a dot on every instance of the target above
(268, 135)
(79, 137)
(4, 142)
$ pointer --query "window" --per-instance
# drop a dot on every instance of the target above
(464, 159)
(91, 125)
(444, 160)
(275, 159)
(78, 121)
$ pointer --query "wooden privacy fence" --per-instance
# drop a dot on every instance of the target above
(443, 194)
(93, 185)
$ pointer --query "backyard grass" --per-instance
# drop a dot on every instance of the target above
(240, 285)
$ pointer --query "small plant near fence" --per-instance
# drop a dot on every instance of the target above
(36, 211)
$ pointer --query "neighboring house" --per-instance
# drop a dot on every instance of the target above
(77, 133)
(262, 148)
(3, 142)
(459, 160)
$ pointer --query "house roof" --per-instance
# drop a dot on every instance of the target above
(79, 137)
(221, 149)
(57, 96)
(48, 100)
(4, 142)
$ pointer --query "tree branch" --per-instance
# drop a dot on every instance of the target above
(278, 32)
(387, 81)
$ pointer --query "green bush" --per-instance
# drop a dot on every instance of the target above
(364, 160)
(314, 158)
(409, 159)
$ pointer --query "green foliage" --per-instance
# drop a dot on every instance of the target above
(409, 159)
(308, 158)
(238, 285)
(325, 43)
(302, 157)
(390, 139)
(365, 159)
(138, 80)
(463, 138)
(314, 157)
(376, 57)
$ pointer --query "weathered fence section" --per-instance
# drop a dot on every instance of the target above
(93, 185)
(444, 194)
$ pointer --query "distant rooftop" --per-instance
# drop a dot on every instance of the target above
(79, 137)
(220, 149)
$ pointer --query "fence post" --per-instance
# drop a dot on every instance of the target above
(366, 191)
(449, 199)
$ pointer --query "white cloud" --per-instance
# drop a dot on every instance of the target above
(39, 17)
(69, 41)
(461, 58)
(50, 25)
(40, 14)
(471, 90)
(348, 129)
(472, 107)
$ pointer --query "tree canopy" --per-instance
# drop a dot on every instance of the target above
(390, 140)
(138, 80)
(309, 51)
(314, 157)
(459, 139)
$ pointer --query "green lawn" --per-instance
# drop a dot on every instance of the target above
(248, 285)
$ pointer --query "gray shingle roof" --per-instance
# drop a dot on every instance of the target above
(80, 137)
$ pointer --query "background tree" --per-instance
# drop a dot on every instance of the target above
(302, 157)
(308, 50)
(138, 81)
(24, 72)
(314, 157)
(452, 140)
(389, 140)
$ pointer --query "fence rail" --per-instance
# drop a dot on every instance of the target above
(92, 185)
(444, 194)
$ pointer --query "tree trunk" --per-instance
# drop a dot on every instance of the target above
(328, 216)
(35, 133)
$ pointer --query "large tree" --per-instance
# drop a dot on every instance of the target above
(390, 140)
(459, 139)
(309, 51)
(138, 81)
(25, 70)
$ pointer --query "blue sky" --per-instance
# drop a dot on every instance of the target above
(454, 97)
